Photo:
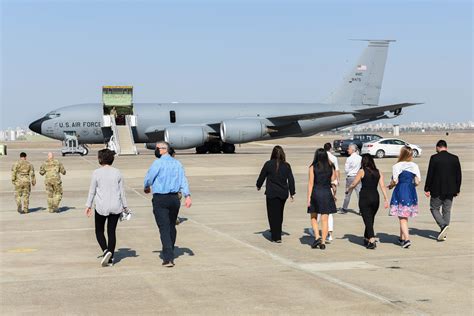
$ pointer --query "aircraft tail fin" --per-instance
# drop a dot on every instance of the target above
(363, 83)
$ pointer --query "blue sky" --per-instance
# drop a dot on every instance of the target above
(56, 53)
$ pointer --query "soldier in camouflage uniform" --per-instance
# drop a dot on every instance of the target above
(52, 169)
(23, 176)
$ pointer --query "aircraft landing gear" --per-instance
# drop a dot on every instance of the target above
(202, 149)
(228, 148)
(215, 148)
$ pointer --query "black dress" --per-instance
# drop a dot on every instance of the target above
(369, 200)
(322, 200)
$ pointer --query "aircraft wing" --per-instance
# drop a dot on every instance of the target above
(309, 116)
(384, 108)
(366, 110)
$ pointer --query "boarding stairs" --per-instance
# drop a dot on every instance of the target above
(122, 141)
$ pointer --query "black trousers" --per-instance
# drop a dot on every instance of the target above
(165, 209)
(369, 204)
(275, 207)
(112, 221)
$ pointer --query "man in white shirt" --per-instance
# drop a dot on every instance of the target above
(333, 159)
(352, 167)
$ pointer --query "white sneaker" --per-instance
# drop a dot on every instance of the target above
(329, 237)
(106, 258)
(442, 234)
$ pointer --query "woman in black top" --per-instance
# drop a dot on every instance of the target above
(280, 181)
(320, 196)
(369, 202)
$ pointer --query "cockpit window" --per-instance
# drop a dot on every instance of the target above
(53, 114)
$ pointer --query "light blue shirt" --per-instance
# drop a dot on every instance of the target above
(166, 175)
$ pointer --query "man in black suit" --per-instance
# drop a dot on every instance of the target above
(443, 183)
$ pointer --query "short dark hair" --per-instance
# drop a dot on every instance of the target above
(22, 154)
(106, 156)
(442, 143)
(327, 146)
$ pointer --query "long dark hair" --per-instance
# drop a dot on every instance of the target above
(368, 163)
(279, 155)
(321, 160)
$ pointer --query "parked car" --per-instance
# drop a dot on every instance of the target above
(386, 147)
(341, 145)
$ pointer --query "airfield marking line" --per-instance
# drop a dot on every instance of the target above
(66, 230)
(78, 277)
(303, 268)
(296, 266)
(425, 258)
(159, 270)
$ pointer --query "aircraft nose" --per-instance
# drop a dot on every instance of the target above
(36, 126)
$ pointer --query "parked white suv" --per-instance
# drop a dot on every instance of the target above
(388, 147)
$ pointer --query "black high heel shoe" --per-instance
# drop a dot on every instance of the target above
(316, 243)
(372, 245)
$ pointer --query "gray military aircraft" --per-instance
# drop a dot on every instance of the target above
(217, 127)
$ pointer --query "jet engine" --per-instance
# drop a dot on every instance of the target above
(242, 131)
(184, 137)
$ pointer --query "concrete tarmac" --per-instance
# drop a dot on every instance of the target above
(225, 263)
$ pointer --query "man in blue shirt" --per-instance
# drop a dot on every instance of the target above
(166, 179)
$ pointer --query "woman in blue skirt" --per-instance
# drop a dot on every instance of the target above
(404, 203)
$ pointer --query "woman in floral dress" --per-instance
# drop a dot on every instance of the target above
(404, 203)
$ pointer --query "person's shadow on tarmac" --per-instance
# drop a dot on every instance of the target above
(178, 252)
(123, 253)
(307, 239)
(385, 238)
(267, 234)
(60, 210)
(427, 233)
(65, 209)
(358, 240)
(36, 209)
